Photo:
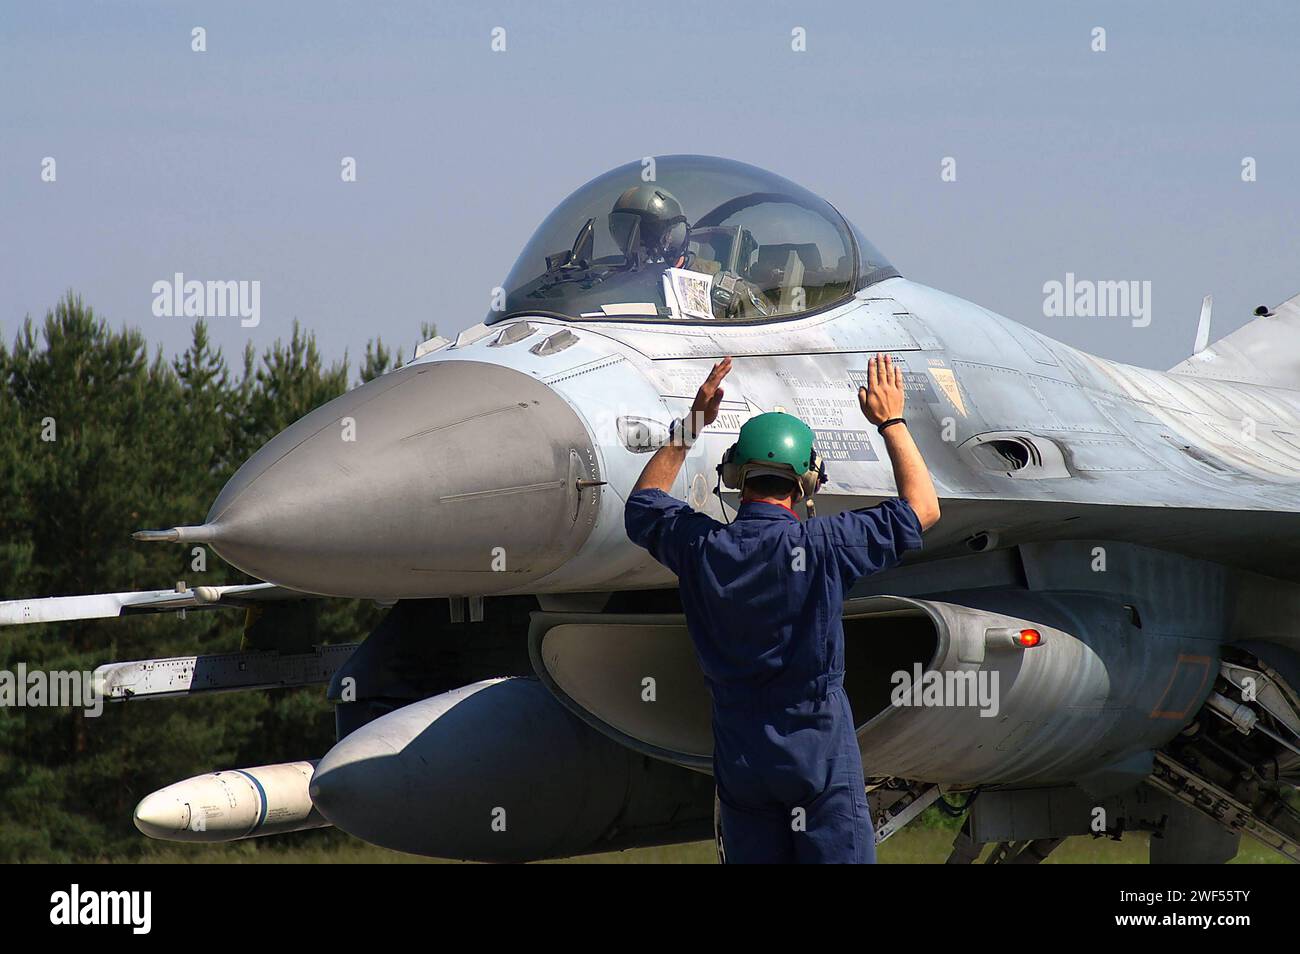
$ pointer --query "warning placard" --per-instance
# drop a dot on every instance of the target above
(841, 444)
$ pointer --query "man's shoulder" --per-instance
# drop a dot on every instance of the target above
(652, 503)
(652, 498)
(890, 510)
(892, 523)
(650, 493)
(654, 517)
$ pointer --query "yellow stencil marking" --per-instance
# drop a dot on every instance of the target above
(947, 382)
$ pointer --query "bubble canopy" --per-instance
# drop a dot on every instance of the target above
(690, 238)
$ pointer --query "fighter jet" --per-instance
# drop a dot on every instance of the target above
(1099, 637)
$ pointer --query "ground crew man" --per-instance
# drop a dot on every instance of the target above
(763, 597)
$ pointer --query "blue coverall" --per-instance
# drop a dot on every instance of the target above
(763, 598)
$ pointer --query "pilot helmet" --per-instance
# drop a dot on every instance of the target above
(663, 229)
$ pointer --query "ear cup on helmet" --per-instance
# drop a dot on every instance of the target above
(729, 470)
(819, 465)
(812, 479)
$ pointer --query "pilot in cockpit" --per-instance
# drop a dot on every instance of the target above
(707, 239)
(650, 227)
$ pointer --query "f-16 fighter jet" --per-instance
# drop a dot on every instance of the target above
(1100, 635)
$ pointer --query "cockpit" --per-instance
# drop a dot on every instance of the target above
(689, 238)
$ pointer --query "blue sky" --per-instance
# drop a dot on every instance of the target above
(225, 164)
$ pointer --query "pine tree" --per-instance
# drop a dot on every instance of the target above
(98, 439)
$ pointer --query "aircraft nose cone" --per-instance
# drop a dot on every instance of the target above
(442, 479)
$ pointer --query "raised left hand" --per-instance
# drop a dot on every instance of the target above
(883, 398)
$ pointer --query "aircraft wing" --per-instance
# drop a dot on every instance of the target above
(1261, 352)
(55, 609)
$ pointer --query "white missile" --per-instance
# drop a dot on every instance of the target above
(234, 804)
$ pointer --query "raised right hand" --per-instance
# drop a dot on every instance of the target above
(704, 411)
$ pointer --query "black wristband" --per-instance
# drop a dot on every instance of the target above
(681, 432)
(893, 420)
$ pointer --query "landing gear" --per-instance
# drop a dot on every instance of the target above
(1235, 769)
(895, 802)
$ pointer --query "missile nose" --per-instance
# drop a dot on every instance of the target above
(162, 815)
(440, 479)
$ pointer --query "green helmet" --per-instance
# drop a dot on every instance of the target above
(774, 443)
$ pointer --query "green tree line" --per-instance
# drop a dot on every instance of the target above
(97, 439)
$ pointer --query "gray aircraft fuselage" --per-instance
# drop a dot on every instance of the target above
(459, 474)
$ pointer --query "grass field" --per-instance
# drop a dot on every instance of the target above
(919, 846)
